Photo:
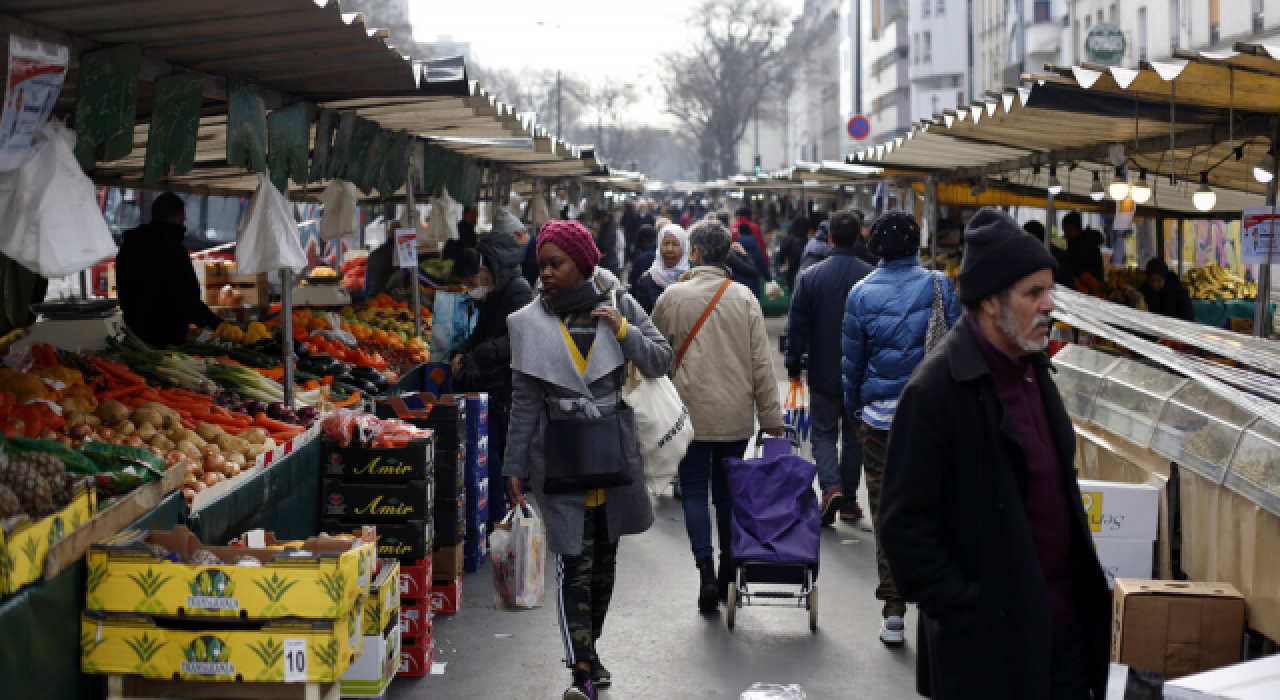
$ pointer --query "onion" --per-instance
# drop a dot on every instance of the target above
(235, 470)
(210, 479)
(200, 486)
(47, 435)
(189, 494)
(214, 463)
(106, 434)
(81, 430)
(135, 441)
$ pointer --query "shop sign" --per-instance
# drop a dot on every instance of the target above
(1259, 224)
(1105, 44)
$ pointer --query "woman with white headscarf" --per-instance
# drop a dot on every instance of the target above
(671, 262)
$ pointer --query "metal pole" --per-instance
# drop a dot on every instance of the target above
(1262, 309)
(286, 318)
(84, 284)
(558, 91)
(413, 272)
(931, 212)
(1051, 219)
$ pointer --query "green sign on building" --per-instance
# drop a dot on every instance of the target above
(1105, 44)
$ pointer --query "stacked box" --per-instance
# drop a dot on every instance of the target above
(476, 508)
(372, 671)
(162, 605)
(1124, 520)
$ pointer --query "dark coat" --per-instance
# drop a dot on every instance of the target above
(607, 242)
(646, 291)
(488, 348)
(529, 262)
(866, 256)
(790, 253)
(643, 261)
(1083, 255)
(1172, 300)
(159, 292)
(815, 322)
(954, 528)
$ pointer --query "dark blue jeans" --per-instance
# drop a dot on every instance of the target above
(835, 446)
(703, 465)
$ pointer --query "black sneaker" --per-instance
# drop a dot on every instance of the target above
(600, 675)
(582, 688)
(831, 503)
(708, 591)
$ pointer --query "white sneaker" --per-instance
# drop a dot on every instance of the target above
(893, 631)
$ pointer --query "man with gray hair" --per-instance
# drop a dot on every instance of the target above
(724, 375)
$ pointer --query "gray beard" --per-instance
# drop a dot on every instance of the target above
(1008, 325)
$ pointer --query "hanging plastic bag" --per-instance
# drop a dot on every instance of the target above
(518, 552)
(50, 222)
(341, 217)
(796, 415)
(663, 426)
(451, 323)
(444, 219)
(267, 237)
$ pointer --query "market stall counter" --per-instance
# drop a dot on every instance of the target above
(40, 626)
(1219, 313)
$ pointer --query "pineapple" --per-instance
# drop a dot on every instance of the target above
(32, 490)
(9, 504)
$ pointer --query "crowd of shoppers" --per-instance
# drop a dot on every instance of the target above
(941, 397)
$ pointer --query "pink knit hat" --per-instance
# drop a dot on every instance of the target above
(575, 240)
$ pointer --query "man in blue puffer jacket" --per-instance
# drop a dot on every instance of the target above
(885, 320)
(813, 326)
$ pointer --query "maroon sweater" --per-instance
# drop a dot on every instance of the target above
(1046, 499)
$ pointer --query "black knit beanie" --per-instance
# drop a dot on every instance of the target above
(997, 253)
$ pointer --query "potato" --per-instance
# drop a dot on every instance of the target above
(209, 431)
(257, 436)
(237, 459)
(125, 428)
(179, 434)
(170, 417)
(148, 416)
(189, 449)
(112, 412)
(146, 431)
(210, 449)
(162, 442)
(74, 418)
(254, 452)
(227, 443)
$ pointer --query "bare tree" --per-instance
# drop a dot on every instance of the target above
(733, 72)
(604, 101)
(553, 97)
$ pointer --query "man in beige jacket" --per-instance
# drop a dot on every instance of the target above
(725, 378)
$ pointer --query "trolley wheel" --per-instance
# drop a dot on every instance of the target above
(813, 608)
(731, 606)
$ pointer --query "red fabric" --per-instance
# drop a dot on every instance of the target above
(755, 231)
(575, 240)
(1046, 501)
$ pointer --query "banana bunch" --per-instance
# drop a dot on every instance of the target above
(1216, 283)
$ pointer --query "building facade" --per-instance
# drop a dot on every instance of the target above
(886, 94)
(813, 120)
(939, 51)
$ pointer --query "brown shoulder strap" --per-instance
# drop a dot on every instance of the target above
(698, 326)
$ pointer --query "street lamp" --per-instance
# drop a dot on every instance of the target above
(1141, 190)
(1119, 187)
(1204, 198)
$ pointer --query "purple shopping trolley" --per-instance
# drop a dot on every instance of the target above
(777, 528)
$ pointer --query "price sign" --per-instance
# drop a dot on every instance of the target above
(295, 661)
(1258, 226)
(407, 247)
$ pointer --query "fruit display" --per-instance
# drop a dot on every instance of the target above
(354, 271)
(1216, 283)
(1120, 281)
(40, 503)
(325, 577)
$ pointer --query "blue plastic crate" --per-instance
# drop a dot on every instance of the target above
(477, 506)
(477, 418)
(475, 549)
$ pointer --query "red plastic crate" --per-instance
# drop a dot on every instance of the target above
(446, 598)
(415, 618)
(415, 579)
(416, 654)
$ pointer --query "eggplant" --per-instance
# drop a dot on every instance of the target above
(366, 373)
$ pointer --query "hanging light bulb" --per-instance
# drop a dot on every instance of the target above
(1119, 187)
(1141, 190)
(1055, 187)
(1265, 170)
(1096, 193)
(1204, 198)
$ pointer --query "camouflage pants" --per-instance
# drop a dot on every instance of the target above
(875, 444)
(585, 588)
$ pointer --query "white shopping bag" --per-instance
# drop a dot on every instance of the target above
(443, 225)
(50, 222)
(664, 428)
(518, 555)
(267, 235)
(341, 217)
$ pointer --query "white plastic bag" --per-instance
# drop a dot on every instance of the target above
(518, 553)
(341, 217)
(50, 222)
(267, 235)
(444, 219)
(664, 428)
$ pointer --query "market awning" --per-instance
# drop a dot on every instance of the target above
(1016, 137)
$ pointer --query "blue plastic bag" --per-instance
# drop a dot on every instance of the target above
(451, 323)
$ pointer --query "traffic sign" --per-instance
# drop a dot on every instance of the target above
(1105, 44)
(859, 128)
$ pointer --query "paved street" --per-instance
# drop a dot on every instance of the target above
(658, 646)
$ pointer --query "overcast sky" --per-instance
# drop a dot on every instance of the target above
(596, 39)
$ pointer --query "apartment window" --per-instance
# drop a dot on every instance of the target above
(1257, 17)
(939, 7)
(1115, 16)
(1101, 18)
(927, 48)
(925, 8)
(1142, 33)
(1042, 10)
(1088, 22)
(1175, 22)
(915, 48)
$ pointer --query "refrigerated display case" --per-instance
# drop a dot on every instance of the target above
(1255, 466)
(1080, 372)
(1199, 430)
(1131, 399)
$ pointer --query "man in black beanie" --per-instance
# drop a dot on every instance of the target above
(981, 517)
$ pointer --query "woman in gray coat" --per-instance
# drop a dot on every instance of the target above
(573, 438)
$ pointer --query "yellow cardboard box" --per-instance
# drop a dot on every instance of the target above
(23, 548)
(383, 603)
(322, 578)
(237, 650)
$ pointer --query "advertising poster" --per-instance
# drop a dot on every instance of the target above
(32, 83)
(1259, 224)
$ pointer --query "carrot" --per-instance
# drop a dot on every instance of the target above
(272, 425)
(189, 424)
(121, 392)
(348, 401)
